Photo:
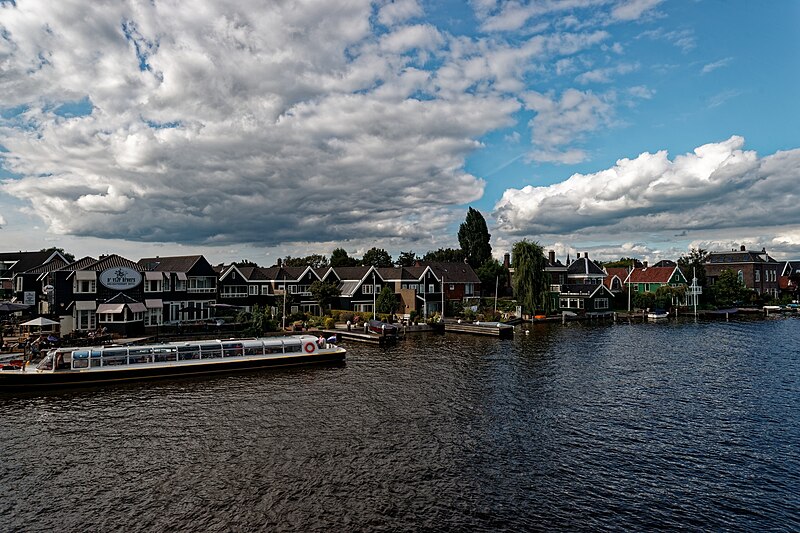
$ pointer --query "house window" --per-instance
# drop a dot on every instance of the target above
(166, 284)
(152, 286)
(292, 289)
(83, 286)
(362, 308)
(758, 276)
(252, 290)
(452, 286)
(431, 288)
(636, 287)
(563, 303)
(601, 303)
(265, 289)
(85, 319)
(377, 288)
(469, 289)
(367, 289)
(740, 276)
(18, 283)
(180, 285)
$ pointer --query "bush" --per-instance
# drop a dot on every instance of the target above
(329, 323)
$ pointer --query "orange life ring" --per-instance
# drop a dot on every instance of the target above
(309, 347)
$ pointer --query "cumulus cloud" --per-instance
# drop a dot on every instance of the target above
(398, 11)
(633, 9)
(606, 74)
(559, 122)
(718, 185)
(222, 123)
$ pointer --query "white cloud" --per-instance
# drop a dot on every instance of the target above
(641, 91)
(560, 122)
(719, 185)
(223, 124)
(710, 67)
(633, 9)
(720, 98)
(396, 11)
(605, 75)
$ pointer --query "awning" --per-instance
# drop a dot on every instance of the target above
(86, 275)
(137, 307)
(110, 308)
(155, 303)
(153, 276)
(181, 276)
(87, 305)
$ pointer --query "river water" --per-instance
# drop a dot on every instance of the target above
(573, 427)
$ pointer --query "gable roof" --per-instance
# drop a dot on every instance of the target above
(584, 266)
(454, 272)
(24, 261)
(55, 264)
(620, 273)
(739, 256)
(178, 263)
(652, 274)
(113, 261)
(790, 267)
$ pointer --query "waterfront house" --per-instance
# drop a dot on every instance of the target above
(757, 270)
(178, 288)
(615, 279)
(650, 279)
(14, 283)
(584, 271)
(585, 298)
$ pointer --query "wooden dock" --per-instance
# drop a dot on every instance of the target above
(368, 338)
(493, 329)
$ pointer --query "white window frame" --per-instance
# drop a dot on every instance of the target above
(601, 303)
(367, 289)
(252, 290)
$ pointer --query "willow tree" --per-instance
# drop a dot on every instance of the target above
(530, 281)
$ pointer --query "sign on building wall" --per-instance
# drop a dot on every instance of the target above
(120, 278)
(29, 297)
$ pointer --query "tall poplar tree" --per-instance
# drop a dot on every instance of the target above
(531, 283)
(473, 237)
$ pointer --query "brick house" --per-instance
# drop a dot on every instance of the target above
(757, 270)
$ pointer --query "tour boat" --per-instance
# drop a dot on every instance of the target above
(69, 367)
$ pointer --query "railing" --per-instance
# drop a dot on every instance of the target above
(201, 289)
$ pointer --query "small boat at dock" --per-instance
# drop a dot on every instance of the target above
(70, 367)
(657, 314)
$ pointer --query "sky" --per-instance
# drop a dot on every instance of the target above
(257, 130)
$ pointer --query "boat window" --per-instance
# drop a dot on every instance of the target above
(210, 351)
(253, 348)
(291, 348)
(273, 348)
(140, 355)
(115, 357)
(80, 359)
(96, 355)
(232, 349)
(188, 352)
(165, 353)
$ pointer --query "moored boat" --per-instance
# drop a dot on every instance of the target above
(657, 314)
(69, 367)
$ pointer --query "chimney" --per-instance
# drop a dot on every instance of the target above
(280, 262)
(577, 255)
(552, 257)
(507, 260)
(742, 248)
(586, 255)
(644, 263)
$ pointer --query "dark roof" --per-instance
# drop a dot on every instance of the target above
(620, 272)
(80, 264)
(25, 260)
(179, 263)
(113, 261)
(454, 272)
(585, 266)
(351, 273)
(790, 267)
(55, 264)
(666, 263)
(739, 256)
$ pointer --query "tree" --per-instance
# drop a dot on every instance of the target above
(387, 301)
(694, 261)
(313, 260)
(625, 262)
(377, 257)
(324, 293)
(68, 256)
(339, 258)
(490, 272)
(531, 283)
(244, 262)
(729, 289)
(473, 237)
(406, 259)
(444, 255)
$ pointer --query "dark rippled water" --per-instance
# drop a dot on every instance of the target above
(576, 427)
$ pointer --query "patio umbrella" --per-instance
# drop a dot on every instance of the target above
(12, 307)
(41, 321)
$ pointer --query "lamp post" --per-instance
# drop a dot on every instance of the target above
(374, 310)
